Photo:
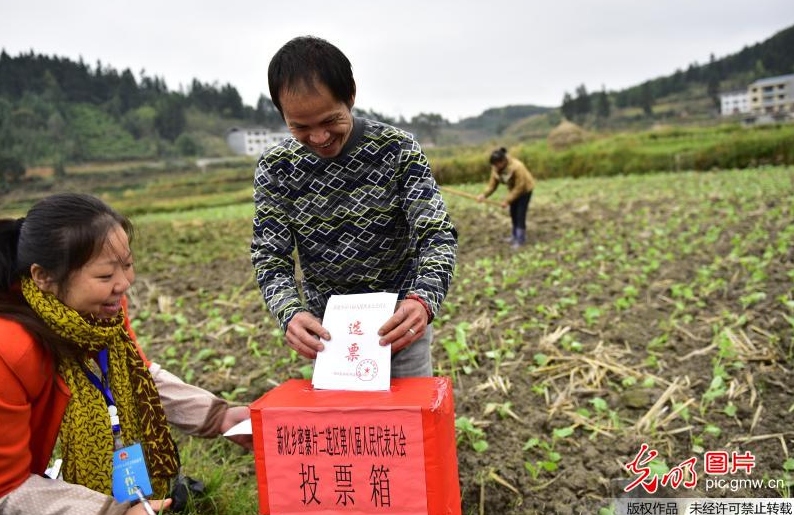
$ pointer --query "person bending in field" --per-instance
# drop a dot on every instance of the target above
(520, 183)
(71, 369)
(357, 199)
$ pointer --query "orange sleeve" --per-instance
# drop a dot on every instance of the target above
(128, 327)
(15, 411)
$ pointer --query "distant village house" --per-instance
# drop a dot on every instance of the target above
(734, 102)
(252, 141)
(771, 97)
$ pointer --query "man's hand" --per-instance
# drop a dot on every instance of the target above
(407, 325)
(303, 334)
(231, 418)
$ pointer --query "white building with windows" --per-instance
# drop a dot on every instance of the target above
(734, 102)
(772, 95)
(252, 141)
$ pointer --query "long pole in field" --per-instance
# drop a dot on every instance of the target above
(447, 189)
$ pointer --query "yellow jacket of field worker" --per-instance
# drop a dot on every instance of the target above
(515, 175)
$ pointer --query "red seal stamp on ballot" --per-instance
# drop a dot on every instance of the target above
(367, 370)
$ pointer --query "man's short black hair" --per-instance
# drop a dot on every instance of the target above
(306, 60)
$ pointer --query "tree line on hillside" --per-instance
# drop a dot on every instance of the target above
(119, 92)
(768, 58)
(496, 119)
(54, 110)
(426, 127)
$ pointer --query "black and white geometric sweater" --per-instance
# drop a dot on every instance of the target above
(370, 219)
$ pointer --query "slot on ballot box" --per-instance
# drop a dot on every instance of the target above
(351, 452)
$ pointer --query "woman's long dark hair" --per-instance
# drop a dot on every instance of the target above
(498, 155)
(60, 233)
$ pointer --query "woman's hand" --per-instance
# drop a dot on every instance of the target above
(407, 325)
(505, 204)
(303, 334)
(231, 418)
(480, 198)
(139, 509)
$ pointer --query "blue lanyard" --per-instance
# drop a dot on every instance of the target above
(103, 385)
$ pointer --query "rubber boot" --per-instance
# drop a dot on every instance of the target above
(512, 238)
(521, 238)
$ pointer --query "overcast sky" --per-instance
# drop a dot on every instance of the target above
(456, 58)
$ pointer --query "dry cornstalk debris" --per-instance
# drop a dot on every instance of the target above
(563, 398)
(548, 340)
(753, 391)
(675, 431)
(495, 477)
(545, 485)
(747, 350)
(245, 288)
(756, 416)
(674, 414)
(596, 368)
(644, 423)
(779, 436)
(744, 347)
(495, 382)
(502, 408)
(226, 303)
(689, 334)
(165, 303)
(779, 384)
(481, 324)
(579, 420)
(762, 332)
(698, 352)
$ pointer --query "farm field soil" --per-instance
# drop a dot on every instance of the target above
(655, 309)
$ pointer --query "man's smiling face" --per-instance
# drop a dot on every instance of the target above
(317, 119)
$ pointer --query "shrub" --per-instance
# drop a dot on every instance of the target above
(723, 147)
(11, 171)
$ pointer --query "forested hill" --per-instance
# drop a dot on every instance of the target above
(687, 94)
(497, 119)
(55, 110)
(775, 56)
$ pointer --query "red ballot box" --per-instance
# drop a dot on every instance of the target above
(345, 452)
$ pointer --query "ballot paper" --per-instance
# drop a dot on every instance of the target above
(241, 428)
(353, 359)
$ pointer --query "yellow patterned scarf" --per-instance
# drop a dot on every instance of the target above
(85, 435)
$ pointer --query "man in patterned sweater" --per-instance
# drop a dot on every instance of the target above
(357, 199)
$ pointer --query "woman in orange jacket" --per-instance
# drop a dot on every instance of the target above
(70, 368)
(520, 183)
